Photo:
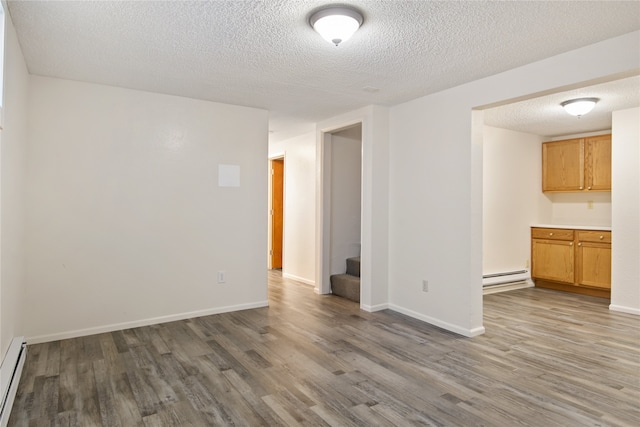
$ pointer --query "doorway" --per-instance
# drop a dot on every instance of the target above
(340, 207)
(277, 213)
(345, 198)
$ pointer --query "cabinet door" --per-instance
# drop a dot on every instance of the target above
(598, 163)
(563, 165)
(593, 265)
(552, 260)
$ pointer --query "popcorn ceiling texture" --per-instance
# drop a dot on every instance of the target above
(264, 53)
(545, 116)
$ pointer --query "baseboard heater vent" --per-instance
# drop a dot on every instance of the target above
(10, 372)
(505, 277)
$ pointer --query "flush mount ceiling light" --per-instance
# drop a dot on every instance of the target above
(579, 107)
(336, 24)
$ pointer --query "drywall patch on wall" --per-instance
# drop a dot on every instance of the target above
(228, 175)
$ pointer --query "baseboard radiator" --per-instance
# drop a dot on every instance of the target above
(10, 372)
(506, 277)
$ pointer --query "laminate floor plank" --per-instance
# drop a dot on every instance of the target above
(547, 359)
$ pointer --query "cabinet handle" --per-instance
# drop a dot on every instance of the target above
(550, 234)
(570, 243)
(581, 187)
(589, 188)
(580, 244)
(601, 237)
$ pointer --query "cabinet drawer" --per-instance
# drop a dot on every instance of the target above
(552, 233)
(594, 236)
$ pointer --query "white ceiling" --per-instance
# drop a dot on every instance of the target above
(264, 53)
(545, 116)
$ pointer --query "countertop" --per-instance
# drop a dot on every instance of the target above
(573, 227)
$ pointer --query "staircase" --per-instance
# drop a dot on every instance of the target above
(348, 285)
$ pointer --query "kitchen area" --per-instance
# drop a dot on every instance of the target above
(574, 258)
(548, 210)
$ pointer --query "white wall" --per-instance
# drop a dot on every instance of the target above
(512, 198)
(625, 264)
(299, 248)
(435, 215)
(126, 222)
(346, 171)
(13, 145)
(588, 208)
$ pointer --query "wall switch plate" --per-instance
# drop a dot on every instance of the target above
(590, 204)
(425, 286)
(221, 277)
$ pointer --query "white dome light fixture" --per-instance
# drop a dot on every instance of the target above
(336, 24)
(580, 106)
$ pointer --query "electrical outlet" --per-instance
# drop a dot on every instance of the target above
(425, 286)
(590, 204)
(221, 277)
(527, 264)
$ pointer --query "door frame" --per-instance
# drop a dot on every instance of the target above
(279, 156)
(374, 225)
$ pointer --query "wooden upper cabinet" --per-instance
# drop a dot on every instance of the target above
(598, 163)
(574, 165)
(563, 165)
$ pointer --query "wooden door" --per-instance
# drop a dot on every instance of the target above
(563, 165)
(277, 211)
(598, 163)
(552, 260)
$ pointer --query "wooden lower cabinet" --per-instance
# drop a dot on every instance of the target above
(553, 260)
(593, 259)
(572, 260)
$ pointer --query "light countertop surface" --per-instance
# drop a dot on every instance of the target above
(573, 227)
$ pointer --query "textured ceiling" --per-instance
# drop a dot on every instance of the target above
(264, 53)
(545, 116)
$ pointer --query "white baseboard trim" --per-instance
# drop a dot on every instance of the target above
(299, 279)
(439, 323)
(143, 322)
(373, 308)
(623, 309)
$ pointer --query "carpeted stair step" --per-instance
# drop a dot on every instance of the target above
(353, 266)
(346, 286)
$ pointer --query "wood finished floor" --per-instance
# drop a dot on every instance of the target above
(547, 359)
